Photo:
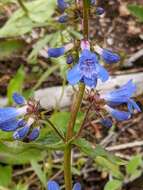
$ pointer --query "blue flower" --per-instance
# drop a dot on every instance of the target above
(121, 96)
(69, 59)
(13, 119)
(110, 57)
(107, 55)
(88, 70)
(18, 99)
(56, 52)
(119, 115)
(34, 134)
(62, 5)
(106, 122)
(100, 11)
(63, 18)
(52, 185)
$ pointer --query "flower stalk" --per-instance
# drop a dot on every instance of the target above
(74, 110)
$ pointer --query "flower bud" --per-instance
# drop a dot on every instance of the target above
(56, 52)
(34, 134)
(69, 59)
(100, 11)
(63, 18)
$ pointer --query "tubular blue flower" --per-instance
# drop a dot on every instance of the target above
(119, 115)
(13, 119)
(56, 52)
(22, 132)
(100, 11)
(122, 95)
(34, 134)
(106, 122)
(18, 99)
(8, 117)
(63, 18)
(62, 5)
(69, 59)
(88, 70)
(52, 185)
(108, 56)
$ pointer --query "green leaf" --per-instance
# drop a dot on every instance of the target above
(87, 148)
(5, 175)
(40, 11)
(109, 166)
(134, 164)
(39, 172)
(60, 120)
(113, 185)
(8, 47)
(20, 187)
(16, 84)
(136, 10)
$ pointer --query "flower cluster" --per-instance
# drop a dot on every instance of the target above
(52, 185)
(110, 101)
(21, 120)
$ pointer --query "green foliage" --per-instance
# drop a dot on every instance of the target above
(107, 161)
(5, 175)
(113, 185)
(134, 167)
(109, 166)
(87, 148)
(16, 84)
(20, 187)
(39, 172)
(136, 10)
(8, 47)
(60, 119)
(39, 12)
(134, 164)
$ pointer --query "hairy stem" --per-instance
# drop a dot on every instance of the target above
(74, 110)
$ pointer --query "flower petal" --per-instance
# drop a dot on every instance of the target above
(18, 99)
(119, 115)
(11, 125)
(122, 94)
(102, 72)
(74, 75)
(91, 82)
(52, 185)
(7, 114)
(132, 105)
(77, 186)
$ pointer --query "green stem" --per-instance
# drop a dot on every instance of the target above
(23, 6)
(67, 167)
(74, 110)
